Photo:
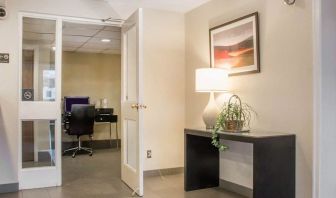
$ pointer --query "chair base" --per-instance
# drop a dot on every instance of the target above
(78, 148)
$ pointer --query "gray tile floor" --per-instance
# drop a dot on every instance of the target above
(99, 176)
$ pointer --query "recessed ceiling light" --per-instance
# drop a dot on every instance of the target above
(106, 40)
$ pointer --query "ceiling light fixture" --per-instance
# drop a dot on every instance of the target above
(106, 40)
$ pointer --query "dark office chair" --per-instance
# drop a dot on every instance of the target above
(81, 122)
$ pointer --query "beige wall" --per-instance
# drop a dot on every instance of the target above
(282, 93)
(164, 79)
(96, 76)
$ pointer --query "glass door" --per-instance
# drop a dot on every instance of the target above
(40, 99)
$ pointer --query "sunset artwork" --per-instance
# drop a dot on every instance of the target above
(234, 46)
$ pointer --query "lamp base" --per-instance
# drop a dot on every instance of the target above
(211, 112)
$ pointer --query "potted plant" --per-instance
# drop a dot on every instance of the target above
(234, 117)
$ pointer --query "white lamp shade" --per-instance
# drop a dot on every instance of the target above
(211, 80)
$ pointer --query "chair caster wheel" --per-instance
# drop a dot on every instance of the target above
(73, 156)
(91, 154)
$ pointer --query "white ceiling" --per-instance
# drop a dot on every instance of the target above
(87, 38)
(126, 7)
(76, 37)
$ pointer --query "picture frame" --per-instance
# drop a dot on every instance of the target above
(235, 45)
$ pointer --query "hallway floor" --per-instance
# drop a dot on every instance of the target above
(99, 176)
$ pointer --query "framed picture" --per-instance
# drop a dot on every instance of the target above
(235, 45)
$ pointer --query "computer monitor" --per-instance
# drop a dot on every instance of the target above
(69, 101)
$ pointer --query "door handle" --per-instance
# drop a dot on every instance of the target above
(135, 106)
(142, 106)
(138, 106)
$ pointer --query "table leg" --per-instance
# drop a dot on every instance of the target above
(274, 167)
(110, 136)
(201, 163)
(117, 135)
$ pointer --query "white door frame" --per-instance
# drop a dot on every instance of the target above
(316, 10)
(58, 65)
(324, 160)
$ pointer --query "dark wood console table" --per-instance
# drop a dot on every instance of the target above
(273, 162)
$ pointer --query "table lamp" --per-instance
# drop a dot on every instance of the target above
(211, 80)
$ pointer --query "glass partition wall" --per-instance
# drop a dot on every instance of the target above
(38, 59)
(38, 84)
(39, 109)
(38, 143)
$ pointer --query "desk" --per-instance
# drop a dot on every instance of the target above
(100, 117)
(109, 119)
(273, 162)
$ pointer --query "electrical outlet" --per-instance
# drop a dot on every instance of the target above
(149, 154)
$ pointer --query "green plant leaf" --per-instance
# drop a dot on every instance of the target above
(234, 110)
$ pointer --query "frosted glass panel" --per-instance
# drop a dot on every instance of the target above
(131, 132)
(38, 59)
(131, 65)
(38, 143)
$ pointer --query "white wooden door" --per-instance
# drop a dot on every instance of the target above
(39, 103)
(132, 104)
